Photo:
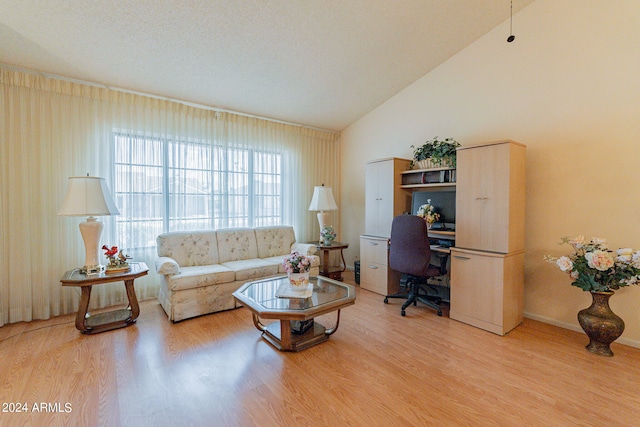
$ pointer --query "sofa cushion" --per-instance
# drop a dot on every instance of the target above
(198, 276)
(189, 248)
(274, 241)
(276, 261)
(236, 244)
(249, 269)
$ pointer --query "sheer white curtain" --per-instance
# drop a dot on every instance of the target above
(169, 165)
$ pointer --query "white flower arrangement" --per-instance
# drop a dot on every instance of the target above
(428, 213)
(596, 268)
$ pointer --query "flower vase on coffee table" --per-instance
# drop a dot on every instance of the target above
(297, 267)
(299, 281)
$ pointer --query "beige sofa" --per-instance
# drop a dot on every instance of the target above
(200, 270)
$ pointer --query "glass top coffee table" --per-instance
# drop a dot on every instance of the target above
(297, 329)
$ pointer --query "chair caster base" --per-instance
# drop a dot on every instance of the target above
(386, 300)
(403, 313)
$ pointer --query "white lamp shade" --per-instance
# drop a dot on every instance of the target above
(87, 196)
(322, 199)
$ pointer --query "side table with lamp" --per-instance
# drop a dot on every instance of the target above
(326, 270)
(89, 196)
(323, 201)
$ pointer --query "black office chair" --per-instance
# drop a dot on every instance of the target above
(410, 254)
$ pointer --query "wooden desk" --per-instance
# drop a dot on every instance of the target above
(88, 324)
(441, 249)
(326, 270)
(436, 234)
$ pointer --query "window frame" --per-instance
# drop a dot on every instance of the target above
(221, 170)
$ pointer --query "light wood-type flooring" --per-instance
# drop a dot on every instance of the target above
(378, 369)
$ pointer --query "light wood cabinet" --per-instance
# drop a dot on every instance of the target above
(487, 264)
(487, 289)
(490, 197)
(383, 197)
(375, 274)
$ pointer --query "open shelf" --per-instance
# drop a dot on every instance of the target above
(428, 178)
(437, 184)
(426, 170)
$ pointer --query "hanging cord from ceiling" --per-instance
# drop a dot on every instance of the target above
(511, 36)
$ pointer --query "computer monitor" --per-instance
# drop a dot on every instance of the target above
(444, 203)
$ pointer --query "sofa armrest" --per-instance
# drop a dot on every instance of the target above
(304, 248)
(167, 265)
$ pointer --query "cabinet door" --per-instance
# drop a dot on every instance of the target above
(374, 250)
(487, 289)
(374, 277)
(386, 197)
(379, 198)
(482, 198)
(371, 198)
(375, 274)
(476, 289)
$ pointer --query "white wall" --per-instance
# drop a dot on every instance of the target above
(569, 88)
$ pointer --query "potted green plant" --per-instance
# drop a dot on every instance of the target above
(435, 153)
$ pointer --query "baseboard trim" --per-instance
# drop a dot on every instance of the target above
(576, 328)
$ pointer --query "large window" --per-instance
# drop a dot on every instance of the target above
(163, 185)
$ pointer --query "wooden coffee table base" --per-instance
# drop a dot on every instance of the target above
(295, 327)
(280, 336)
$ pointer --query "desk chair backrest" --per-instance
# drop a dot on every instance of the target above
(409, 250)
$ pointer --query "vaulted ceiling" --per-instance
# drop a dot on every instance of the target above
(320, 63)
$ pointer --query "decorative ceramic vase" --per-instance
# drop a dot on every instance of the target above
(601, 325)
(299, 281)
